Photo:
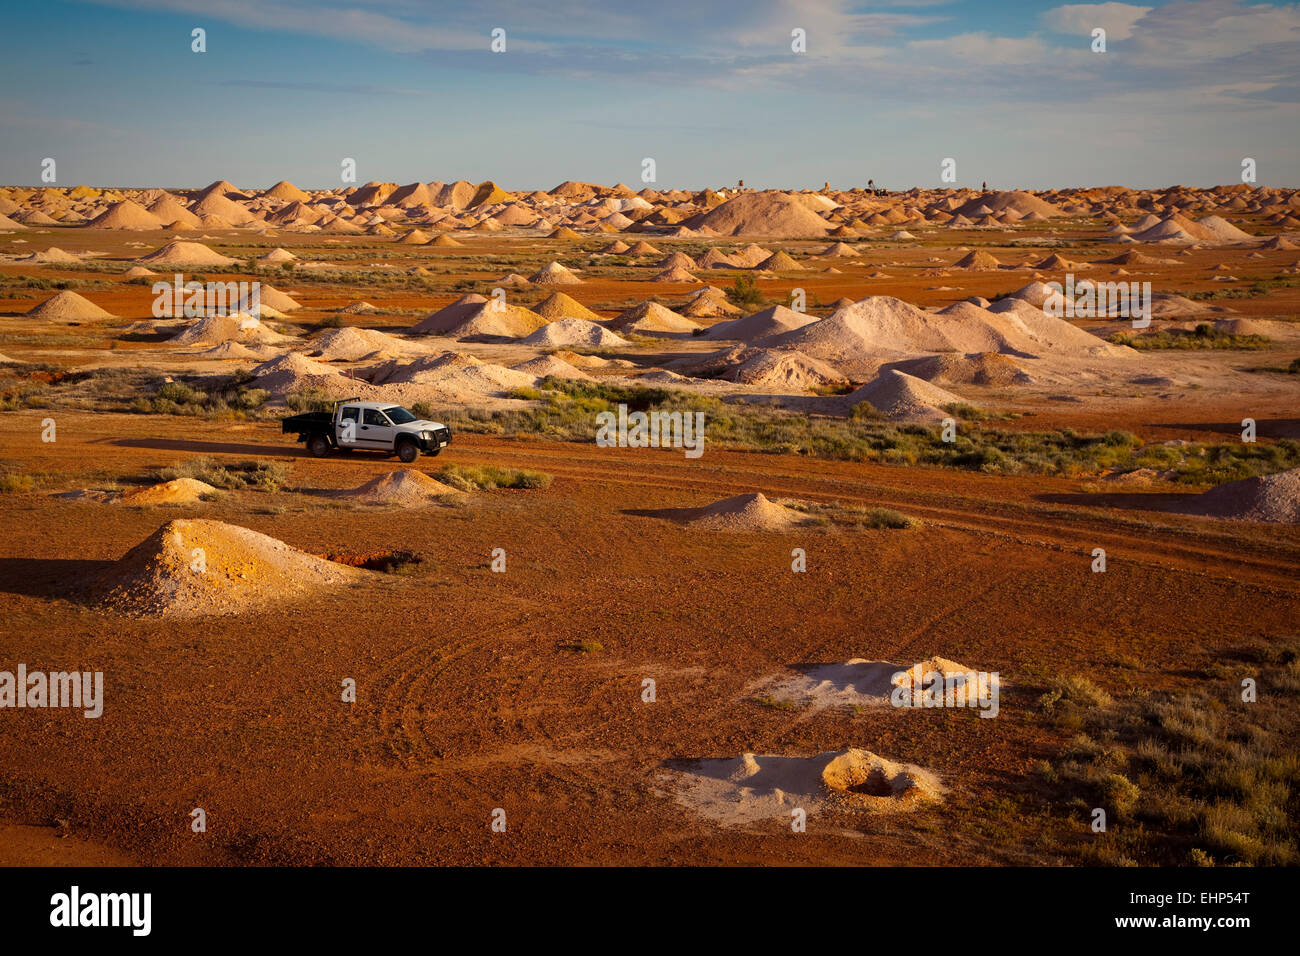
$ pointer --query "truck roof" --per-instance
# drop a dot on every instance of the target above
(359, 402)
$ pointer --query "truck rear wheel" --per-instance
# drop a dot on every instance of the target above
(407, 451)
(318, 446)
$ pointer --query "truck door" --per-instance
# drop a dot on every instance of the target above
(376, 430)
(348, 428)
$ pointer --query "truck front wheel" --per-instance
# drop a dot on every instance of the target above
(407, 451)
(318, 446)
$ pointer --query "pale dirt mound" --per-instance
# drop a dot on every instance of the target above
(784, 369)
(238, 351)
(352, 344)
(707, 304)
(861, 683)
(557, 305)
(977, 261)
(1279, 242)
(676, 274)
(194, 567)
(1271, 498)
(295, 372)
(779, 261)
(219, 329)
(186, 254)
(676, 259)
(1172, 229)
(751, 512)
(649, 318)
(569, 332)
(489, 193)
(448, 317)
(53, 255)
(126, 215)
(763, 214)
(452, 377)
(839, 250)
(359, 307)
(550, 366)
(751, 788)
(286, 191)
(1014, 200)
(1036, 293)
(774, 320)
(493, 320)
(178, 492)
(978, 368)
(880, 328)
(904, 398)
(407, 488)
(68, 305)
(275, 299)
(1243, 327)
(138, 272)
(218, 205)
(714, 259)
(277, 256)
(1166, 305)
(554, 274)
(1218, 229)
(579, 361)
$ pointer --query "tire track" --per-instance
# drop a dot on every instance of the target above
(1271, 563)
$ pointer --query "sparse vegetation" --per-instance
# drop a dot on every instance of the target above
(1204, 336)
(745, 293)
(1196, 778)
(568, 409)
(14, 482)
(310, 400)
(489, 477)
(888, 518)
(229, 398)
(262, 475)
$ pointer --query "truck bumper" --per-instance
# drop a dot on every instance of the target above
(439, 438)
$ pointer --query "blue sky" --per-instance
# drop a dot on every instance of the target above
(588, 88)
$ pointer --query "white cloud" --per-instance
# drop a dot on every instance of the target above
(1117, 19)
(984, 49)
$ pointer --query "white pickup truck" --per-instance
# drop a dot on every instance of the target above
(376, 426)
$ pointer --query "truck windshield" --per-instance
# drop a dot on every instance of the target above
(399, 415)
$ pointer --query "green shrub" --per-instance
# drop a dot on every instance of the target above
(888, 518)
(489, 477)
(745, 293)
(15, 482)
(263, 475)
(310, 400)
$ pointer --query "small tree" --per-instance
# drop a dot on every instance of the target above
(745, 293)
